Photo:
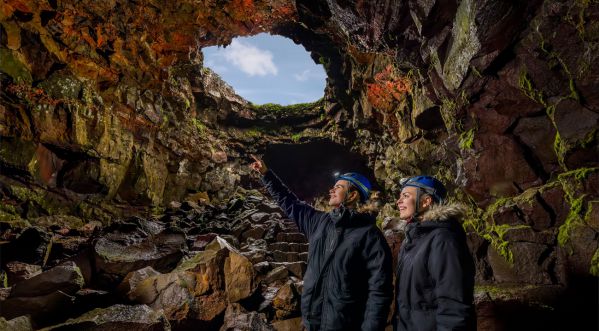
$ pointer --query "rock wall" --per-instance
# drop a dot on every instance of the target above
(107, 112)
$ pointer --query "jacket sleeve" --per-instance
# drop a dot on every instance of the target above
(305, 216)
(450, 268)
(377, 255)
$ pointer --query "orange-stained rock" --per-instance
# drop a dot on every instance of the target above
(286, 302)
(292, 324)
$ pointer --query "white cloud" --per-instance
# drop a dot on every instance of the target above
(250, 59)
(308, 74)
(216, 67)
(303, 76)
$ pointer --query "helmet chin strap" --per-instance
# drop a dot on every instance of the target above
(343, 203)
(417, 209)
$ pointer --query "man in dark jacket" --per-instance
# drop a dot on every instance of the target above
(347, 285)
(435, 270)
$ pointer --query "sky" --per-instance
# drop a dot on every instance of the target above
(268, 69)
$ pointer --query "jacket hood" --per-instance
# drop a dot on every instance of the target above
(444, 213)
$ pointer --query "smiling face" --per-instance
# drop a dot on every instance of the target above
(407, 202)
(338, 192)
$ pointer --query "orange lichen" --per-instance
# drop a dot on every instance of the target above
(388, 90)
(13, 5)
(136, 39)
(33, 95)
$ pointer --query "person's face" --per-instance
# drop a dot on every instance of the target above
(338, 192)
(407, 202)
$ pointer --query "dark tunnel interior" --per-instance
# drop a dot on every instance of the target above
(308, 169)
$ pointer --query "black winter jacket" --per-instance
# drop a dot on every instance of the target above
(348, 282)
(435, 275)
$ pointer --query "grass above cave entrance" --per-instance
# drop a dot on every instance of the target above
(299, 108)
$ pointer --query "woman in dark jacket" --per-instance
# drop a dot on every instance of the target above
(435, 271)
(347, 285)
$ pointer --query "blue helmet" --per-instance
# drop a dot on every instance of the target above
(427, 184)
(359, 181)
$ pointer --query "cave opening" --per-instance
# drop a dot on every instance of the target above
(309, 168)
(268, 69)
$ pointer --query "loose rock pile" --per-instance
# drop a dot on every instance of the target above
(237, 266)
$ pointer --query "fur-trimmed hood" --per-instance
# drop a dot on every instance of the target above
(443, 213)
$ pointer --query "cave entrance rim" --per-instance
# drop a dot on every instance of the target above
(267, 69)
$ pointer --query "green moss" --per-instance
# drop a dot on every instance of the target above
(527, 87)
(13, 220)
(578, 174)
(571, 182)
(476, 72)
(588, 139)
(300, 108)
(467, 139)
(12, 66)
(560, 146)
(254, 133)
(573, 91)
(25, 194)
(572, 220)
(3, 279)
(48, 251)
(157, 210)
(560, 149)
(483, 223)
(505, 292)
(496, 235)
(595, 264)
(296, 137)
(478, 221)
(326, 62)
(200, 127)
(449, 108)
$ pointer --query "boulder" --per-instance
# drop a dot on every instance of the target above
(63, 278)
(120, 254)
(485, 180)
(117, 317)
(239, 276)
(18, 271)
(134, 277)
(286, 302)
(238, 319)
(278, 273)
(292, 324)
(46, 297)
(199, 288)
(21, 323)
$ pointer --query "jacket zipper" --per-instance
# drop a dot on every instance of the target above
(325, 269)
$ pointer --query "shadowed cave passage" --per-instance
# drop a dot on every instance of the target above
(308, 169)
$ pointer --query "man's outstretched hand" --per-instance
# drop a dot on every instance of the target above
(258, 165)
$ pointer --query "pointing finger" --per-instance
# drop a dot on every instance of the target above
(255, 158)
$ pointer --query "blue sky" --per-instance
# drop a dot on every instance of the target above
(268, 69)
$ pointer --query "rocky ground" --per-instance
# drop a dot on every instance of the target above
(238, 266)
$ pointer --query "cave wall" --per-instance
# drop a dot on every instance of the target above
(106, 109)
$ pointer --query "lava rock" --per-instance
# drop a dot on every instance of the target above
(117, 317)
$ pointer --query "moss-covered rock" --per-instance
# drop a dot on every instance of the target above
(11, 64)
